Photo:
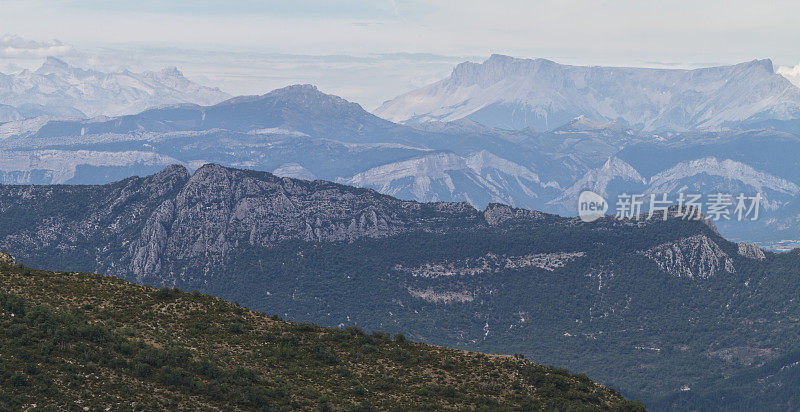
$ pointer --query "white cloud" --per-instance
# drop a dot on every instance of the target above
(624, 32)
(791, 73)
(13, 46)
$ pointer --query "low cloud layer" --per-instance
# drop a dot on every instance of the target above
(12, 46)
(791, 73)
(366, 79)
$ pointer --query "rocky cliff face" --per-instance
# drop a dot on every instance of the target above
(692, 257)
(751, 251)
(142, 223)
(219, 209)
(175, 225)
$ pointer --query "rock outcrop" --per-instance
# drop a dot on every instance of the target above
(751, 251)
(692, 257)
(7, 259)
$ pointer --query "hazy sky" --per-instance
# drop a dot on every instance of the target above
(369, 51)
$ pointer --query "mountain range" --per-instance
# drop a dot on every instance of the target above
(60, 90)
(666, 310)
(511, 93)
(301, 132)
(445, 215)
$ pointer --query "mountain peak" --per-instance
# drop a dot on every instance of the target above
(52, 64)
(210, 169)
(511, 93)
(174, 170)
(298, 90)
(295, 92)
(502, 58)
(171, 72)
(301, 88)
(496, 68)
(499, 58)
(307, 93)
(50, 60)
(766, 64)
(302, 106)
(300, 109)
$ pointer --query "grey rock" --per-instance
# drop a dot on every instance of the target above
(751, 251)
(6, 259)
(696, 256)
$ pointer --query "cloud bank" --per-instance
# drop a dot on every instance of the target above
(13, 46)
(791, 73)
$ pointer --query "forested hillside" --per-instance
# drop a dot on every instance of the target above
(73, 341)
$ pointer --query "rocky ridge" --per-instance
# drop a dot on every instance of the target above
(693, 257)
(59, 89)
(173, 216)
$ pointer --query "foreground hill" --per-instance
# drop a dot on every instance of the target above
(76, 340)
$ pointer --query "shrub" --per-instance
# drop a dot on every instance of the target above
(18, 380)
(143, 370)
(305, 327)
(355, 330)
(400, 355)
(326, 356)
(174, 376)
(166, 293)
(236, 328)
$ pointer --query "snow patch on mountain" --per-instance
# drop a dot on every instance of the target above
(57, 87)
